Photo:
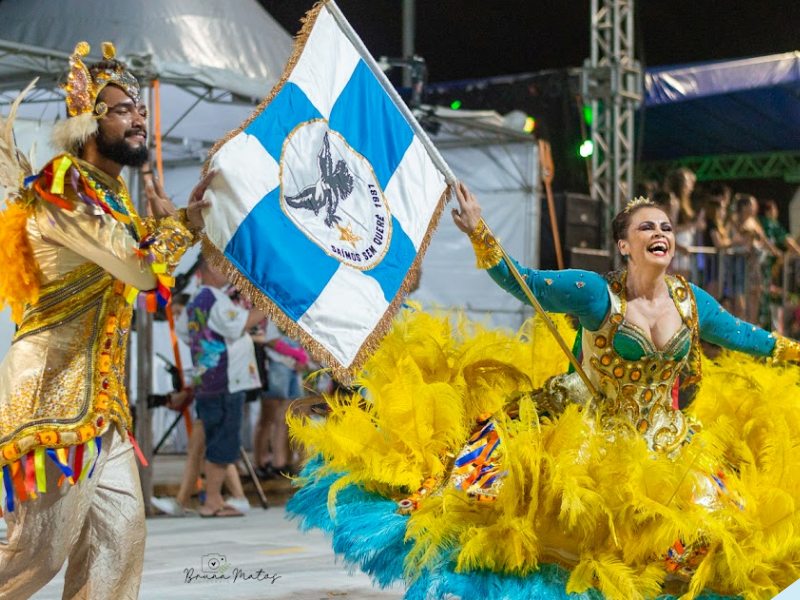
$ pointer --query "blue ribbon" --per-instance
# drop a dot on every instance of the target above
(54, 457)
(467, 458)
(99, 443)
(30, 179)
(9, 488)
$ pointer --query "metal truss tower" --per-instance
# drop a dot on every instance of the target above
(612, 82)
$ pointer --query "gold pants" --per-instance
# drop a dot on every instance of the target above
(97, 526)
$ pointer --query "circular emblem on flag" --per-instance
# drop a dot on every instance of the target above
(331, 193)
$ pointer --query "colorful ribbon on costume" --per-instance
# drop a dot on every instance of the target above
(18, 480)
(57, 186)
(153, 298)
(41, 477)
(473, 469)
(138, 451)
(98, 442)
(90, 455)
(59, 457)
(30, 475)
(9, 488)
(77, 461)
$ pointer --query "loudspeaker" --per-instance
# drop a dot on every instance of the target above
(590, 259)
(582, 228)
(579, 226)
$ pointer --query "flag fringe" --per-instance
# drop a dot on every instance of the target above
(343, 373)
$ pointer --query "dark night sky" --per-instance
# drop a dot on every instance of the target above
(481, 38)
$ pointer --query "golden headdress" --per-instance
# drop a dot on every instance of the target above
(84, 83)
(637, 202)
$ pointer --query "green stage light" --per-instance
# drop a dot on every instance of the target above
(455, 104)
(588, 116)
(586, 149)
(530, 125)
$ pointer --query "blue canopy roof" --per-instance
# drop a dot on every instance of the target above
(750, 105)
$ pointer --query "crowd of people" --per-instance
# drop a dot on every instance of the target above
(731, 244)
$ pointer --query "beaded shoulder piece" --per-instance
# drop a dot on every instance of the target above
(64, 181)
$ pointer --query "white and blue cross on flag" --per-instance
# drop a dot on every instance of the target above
(326, 197)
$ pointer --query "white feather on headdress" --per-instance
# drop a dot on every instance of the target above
(14, 166)
(70, 134)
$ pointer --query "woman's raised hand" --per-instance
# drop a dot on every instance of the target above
(468, 214)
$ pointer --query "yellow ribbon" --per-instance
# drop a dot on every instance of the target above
(130, 294)
(39, 465)
(63, 458)
(89, 454)
(58, 176)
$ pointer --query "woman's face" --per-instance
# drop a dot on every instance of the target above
(748, 209)
(688, 184)
(650, 240)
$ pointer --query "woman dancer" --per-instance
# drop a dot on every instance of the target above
(464, 475)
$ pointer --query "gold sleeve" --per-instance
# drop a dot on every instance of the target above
(487, 251)
(785, 350)
(169, 239)
(95, 237)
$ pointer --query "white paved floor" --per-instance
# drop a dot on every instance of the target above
(303, 565)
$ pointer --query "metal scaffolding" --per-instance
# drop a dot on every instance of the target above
(612, 82)
(767, 165)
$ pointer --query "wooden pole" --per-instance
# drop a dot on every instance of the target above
(548, 172)
(545, 318)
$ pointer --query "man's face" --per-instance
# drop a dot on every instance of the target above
(772, 212)
(122, 136)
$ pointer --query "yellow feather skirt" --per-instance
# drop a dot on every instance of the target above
(593, 500)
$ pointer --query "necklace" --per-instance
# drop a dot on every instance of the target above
(118, 204)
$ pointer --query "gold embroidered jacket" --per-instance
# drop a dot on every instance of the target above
(62, 383)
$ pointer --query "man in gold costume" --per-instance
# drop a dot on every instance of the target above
(76, 256)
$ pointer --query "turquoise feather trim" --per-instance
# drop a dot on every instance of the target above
(369, 534)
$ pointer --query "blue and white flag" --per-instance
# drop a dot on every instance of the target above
(327, 196)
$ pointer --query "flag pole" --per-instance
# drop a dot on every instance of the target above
(545, 317)
(351, 35)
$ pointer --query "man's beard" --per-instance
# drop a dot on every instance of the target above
(121, 152)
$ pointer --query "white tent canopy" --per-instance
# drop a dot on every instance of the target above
(215, 60)
(500, 166)
(233, 45)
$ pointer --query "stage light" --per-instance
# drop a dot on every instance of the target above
(588, 115)
(455, 104)
(586, 149)
(530, 125)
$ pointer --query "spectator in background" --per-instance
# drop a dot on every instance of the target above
(749, 237)
(794, 320)
(717, 235)
(772, 298)
(287, 360)
(179, 505)
(680, 185)
(195, 451)
(647, 188)
(225, 367)
(722, 193)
